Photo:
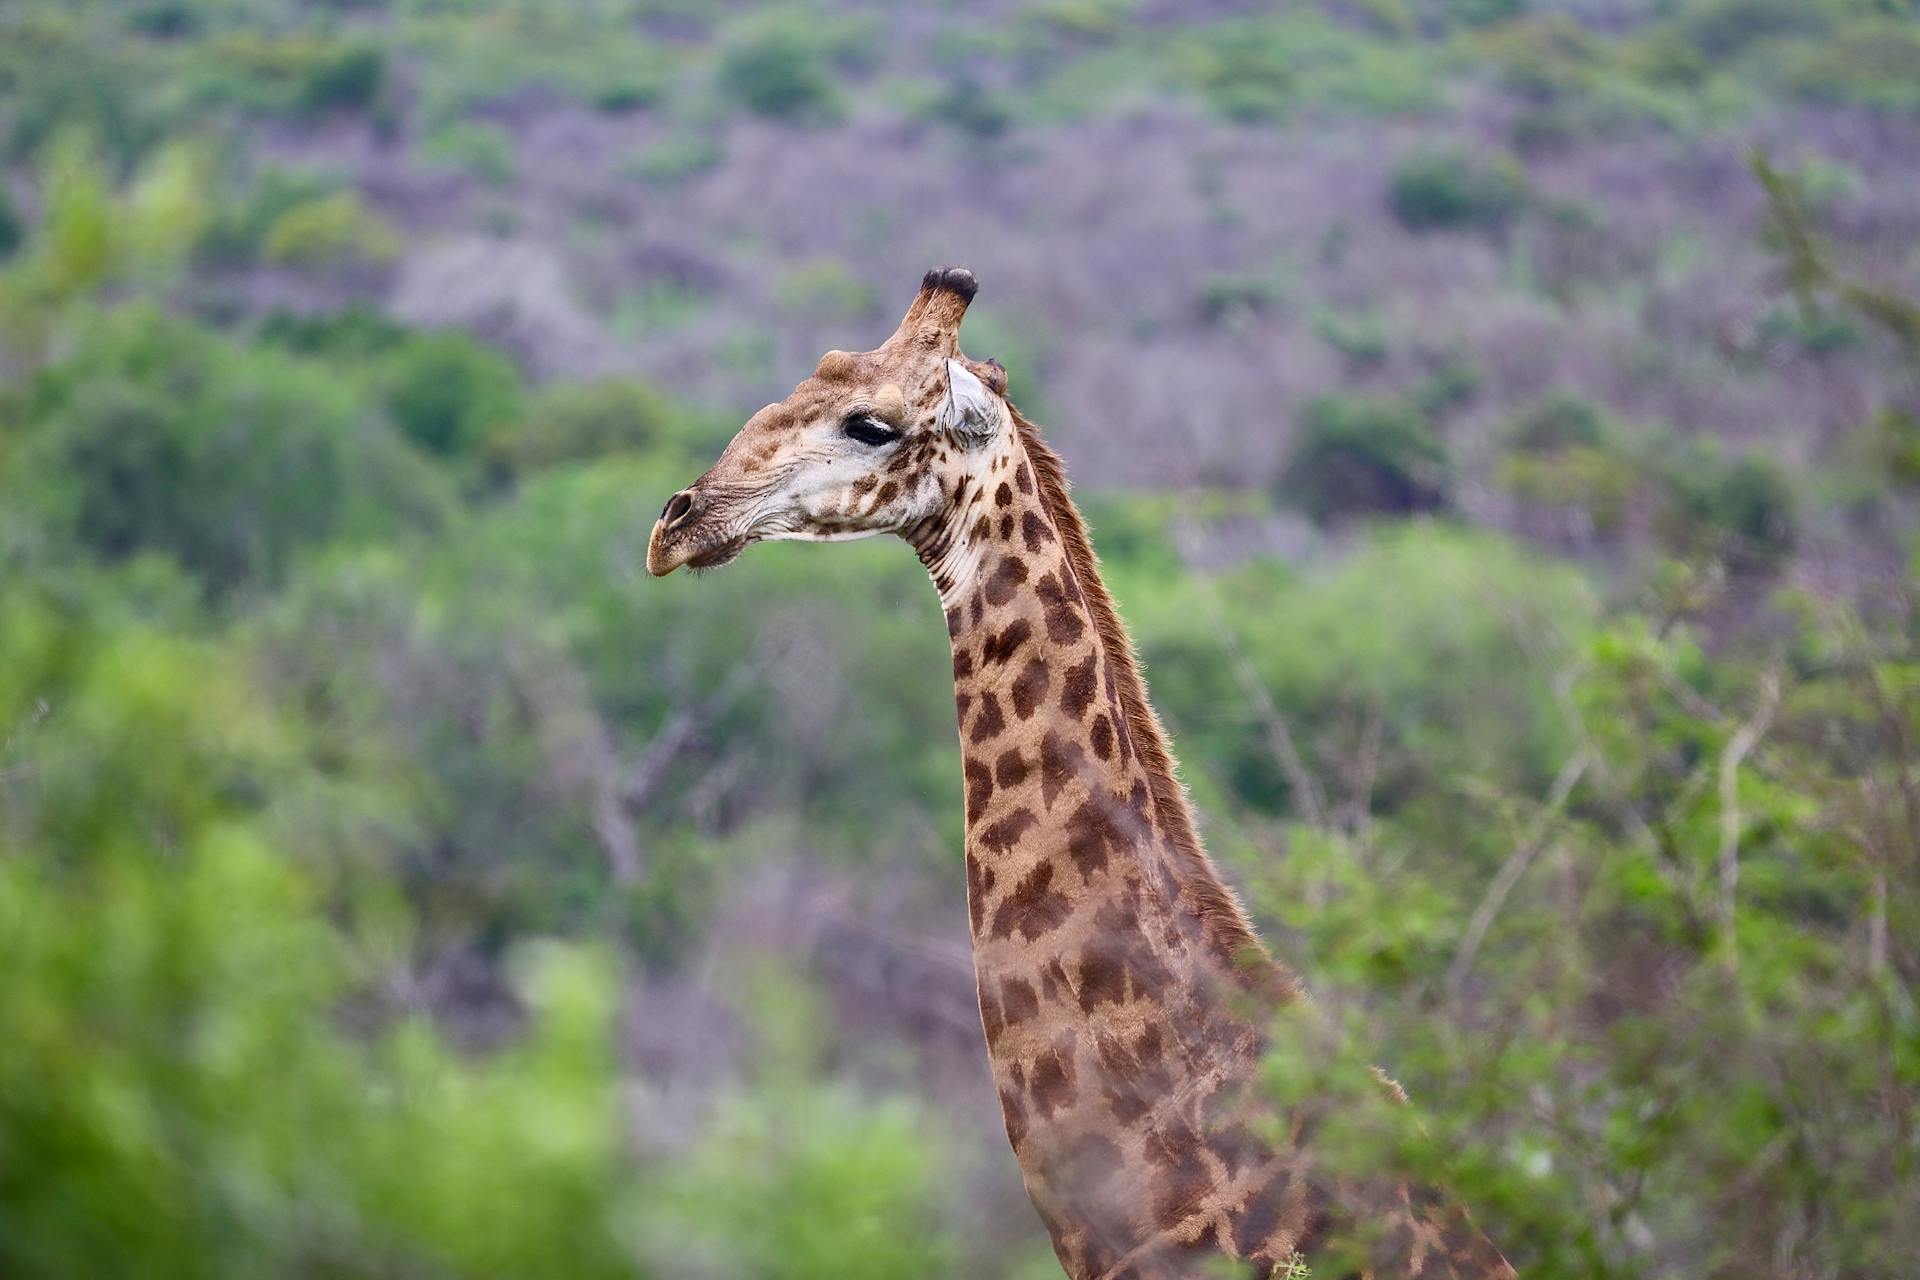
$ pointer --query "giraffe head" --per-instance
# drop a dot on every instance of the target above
(873, 442)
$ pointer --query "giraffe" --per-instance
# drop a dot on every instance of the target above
(1120, 984)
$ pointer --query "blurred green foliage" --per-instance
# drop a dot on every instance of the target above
(787, 65)
(358, 795)
(1361, 456)
(1439, 190)
(447, 392)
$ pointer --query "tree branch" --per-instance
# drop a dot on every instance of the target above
(1516, 866)
(1744, 739)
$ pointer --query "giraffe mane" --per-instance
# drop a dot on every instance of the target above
(1223, 920)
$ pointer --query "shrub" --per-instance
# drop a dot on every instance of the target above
(1446, 189)
(346, 79)
(1452, 383)
(1873, 64)
(484, 151)
(584, 53)
(1742, 512)
(1483, 13)
(155, 437)
(824, 286)
(776, 72)
(239, 231)
(1358, 335)
(1594, 486)
(1723, 29)
(1814, 331)
(1363, 457)
(1561, 420)
(575, 422)
(1543, 59)
(1894, 443)
(674, 160)
(59, 78)
(360, 332)
(1234, 299)
(1241, 69)
(335, 229)
(166, 19)
(11, 230)
(1753, 502)
(1664, 57)
(447, 392)
(296, 73)
(1085, 20)
(1446, 638)
(973, 108)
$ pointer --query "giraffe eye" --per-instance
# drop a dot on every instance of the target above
(869, 431)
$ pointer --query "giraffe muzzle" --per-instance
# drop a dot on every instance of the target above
(679, 539)
(667, 548)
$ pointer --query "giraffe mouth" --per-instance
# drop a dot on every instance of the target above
(720, 553)
(668, 550)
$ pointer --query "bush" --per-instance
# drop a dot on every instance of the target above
(776, 72)
(1743, 511)
(288, 73)
(1449, 189)
(11, 230)
(824, 287)
(155, 437)
(360, 332)
(238, 234)
(577, 422)
(1444, 638)
(1241, 70)
(59, 78)
(1484, 13)
(1545, 59)
(483, 151)
(333, 230)
(1358, 335)
(674, 160)
(1817, 332)
(1874, 64)
(1558, 421)
(1365, 457)
(582, 53)
(1723, 29)
(447, 392)
(346, 79)
(1562, 459)
(1233, 299)
(975, 109)
(1452, 382)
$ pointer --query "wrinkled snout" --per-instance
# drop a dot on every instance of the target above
(669, 547)
(700, 527)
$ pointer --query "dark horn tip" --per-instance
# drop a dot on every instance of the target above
(953, 279)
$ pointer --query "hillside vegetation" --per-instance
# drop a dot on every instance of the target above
(1500, 422)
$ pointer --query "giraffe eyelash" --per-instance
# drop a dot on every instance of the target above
(869, 430)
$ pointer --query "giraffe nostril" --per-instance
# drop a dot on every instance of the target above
(680, 507)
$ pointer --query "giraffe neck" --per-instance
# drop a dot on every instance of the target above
(1112, 966)
(1106, 952)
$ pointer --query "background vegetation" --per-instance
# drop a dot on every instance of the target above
(1501, 422)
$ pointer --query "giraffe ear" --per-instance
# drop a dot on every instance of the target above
(970, 411)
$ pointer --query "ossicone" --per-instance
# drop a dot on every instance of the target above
(951, 280)
(933, 321)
